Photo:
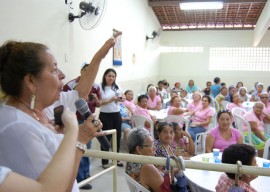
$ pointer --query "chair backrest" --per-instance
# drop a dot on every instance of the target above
(243, 123)
(238, 111)
(213, 122)
(214, 104)
(178, 119)
(225, 104)
(266, 149)
(133, 185)
(138, 120)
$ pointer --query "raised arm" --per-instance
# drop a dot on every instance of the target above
(87, 79)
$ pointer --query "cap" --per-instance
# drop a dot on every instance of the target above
(84, 64)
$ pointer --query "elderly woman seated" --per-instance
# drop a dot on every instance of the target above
(196, 103)
(243, 94)
(141, 109)
(201, 118)
(232, 154)
(255, 119)
(223, 135)
(140, 143)
(256, 95)
(175, 108)
(236, 102)
(154, 100)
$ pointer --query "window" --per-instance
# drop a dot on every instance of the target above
(240, 59)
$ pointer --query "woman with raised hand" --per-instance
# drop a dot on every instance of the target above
(30, 78)
(224, 134)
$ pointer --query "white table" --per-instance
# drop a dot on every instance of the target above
(205, 181)
(160, 115)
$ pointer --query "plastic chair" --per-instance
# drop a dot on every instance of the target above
(201, 137)
(240, 124)
(138, 120)
(239, 111)
(133, 185)
(178, 119)
(214, 104)
(266, 149)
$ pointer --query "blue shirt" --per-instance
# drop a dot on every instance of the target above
(215, 90)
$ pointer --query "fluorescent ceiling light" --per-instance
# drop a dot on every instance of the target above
(201, 5)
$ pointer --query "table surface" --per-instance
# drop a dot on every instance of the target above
(208, 179)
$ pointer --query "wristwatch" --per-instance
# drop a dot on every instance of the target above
(81, 146)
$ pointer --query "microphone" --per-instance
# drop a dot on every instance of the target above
(83, 109)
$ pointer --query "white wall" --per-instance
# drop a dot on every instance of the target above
(46, 22)
(184, 66)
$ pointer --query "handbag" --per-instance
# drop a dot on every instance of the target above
(181, 184)
(166, 185)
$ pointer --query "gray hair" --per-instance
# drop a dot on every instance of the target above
(265, 93)
(136, 137)
(257, 104)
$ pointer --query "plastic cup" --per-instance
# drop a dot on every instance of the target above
(266, 164)
(216, 152)
(217, 160)
(205, 159)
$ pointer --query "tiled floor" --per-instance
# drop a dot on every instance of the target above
(105, 182)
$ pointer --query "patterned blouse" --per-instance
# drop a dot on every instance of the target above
(160, 149)
(225, 183)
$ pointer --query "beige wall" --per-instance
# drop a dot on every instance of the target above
(184, 66)
(47, 22)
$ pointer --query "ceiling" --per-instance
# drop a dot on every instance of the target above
(235, 14)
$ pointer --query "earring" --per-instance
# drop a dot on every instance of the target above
(32, 104)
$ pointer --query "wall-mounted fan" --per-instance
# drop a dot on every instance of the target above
(90, 13)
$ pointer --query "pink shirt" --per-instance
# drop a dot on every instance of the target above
(170, 111)
(142, 112)
(267, 109)
(153, 103)
(250, 116)
(192, 107)
(201, 115)
(220, 142)
(233, 105)
(130, 105)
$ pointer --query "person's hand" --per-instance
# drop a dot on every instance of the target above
(70, 123)
(88, 129)
(103, 51)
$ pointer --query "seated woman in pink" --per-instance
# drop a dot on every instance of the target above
(154, 100)
(237, 102)
(201, 118)
(129, 102)
(141, 109)
(223, 135)
(196, 104)
(175, 108)
(255, 119)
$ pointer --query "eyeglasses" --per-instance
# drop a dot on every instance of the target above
(149, 145)
(264, 97)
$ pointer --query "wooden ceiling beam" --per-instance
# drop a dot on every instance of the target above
(176, 2)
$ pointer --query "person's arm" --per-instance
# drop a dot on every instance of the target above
(87, 79)
(190, 145)
(158, 107)
(256, 131)
(61, 164)
(179, 111)
(252, 98)
(150, 177)
(204, 123)
(87, 131)
(96, 101)
(210, 140)
(107, 101)
(240, 140)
